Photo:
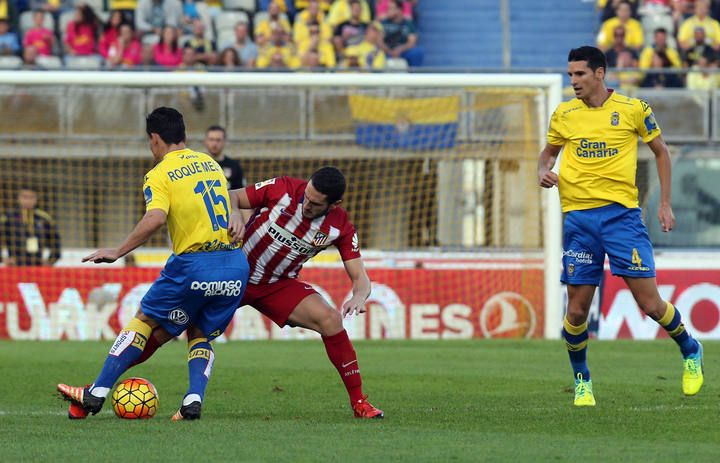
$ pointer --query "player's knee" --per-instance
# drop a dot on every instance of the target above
(330, 323)
(653, 307)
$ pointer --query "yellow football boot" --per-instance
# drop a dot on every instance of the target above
(692, 379)
(583, 392)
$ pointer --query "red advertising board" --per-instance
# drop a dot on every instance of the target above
(695, 292)
(417, 303)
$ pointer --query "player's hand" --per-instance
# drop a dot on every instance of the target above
(107, 255)
(353, 305)
(547, 178)
(236, 226)
(666, 217)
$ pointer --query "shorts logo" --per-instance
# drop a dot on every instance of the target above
(571, 269)
(637, 262)
(179, 317)
(215, 334)
(218, 288)
(615, 118)
(581, 257)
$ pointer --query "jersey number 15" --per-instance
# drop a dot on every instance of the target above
(207, 190)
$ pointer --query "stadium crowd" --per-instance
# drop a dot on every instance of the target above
(643, 39)
(220, 34)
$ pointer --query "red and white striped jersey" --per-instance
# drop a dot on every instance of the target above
(279, 239)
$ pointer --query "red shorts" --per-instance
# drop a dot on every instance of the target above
(277, 300)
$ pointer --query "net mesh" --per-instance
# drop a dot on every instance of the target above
(429, 171)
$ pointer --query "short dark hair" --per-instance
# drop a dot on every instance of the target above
(330, 182)
(216, 128)
(167, 123)
(662, 30)
(594, 57)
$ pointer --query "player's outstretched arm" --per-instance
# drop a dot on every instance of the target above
(361, 287)
(664, 168)
(149, 224)
(546, 177)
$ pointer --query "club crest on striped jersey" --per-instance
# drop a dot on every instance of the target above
(320, 239)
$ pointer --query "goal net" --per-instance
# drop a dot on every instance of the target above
(442, 189)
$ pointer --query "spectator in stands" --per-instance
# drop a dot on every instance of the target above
(167, 52)
(626, 75)
(316, 45)
(303, 4)
(243, 45)
(381, 8)
(312, 15)
(700, 78)
(81, 32)
(27, 231)
(189, 59)
(660, 47)
(279, 53)
(30, 55)
(352, 31)
(633, 29)
(608, 8)
(39, 37)
(215, 145)
(701, 48)
(400, 36)
(340, 12)
(151, 16)
(9, 43)
(618, 47)
(125, 7)
(205, 50)
(126, 50)
(54, 7)
(264, 30)
(229, 59)
(700, 19)
(661, 79)
(110, 32)
(369, 53)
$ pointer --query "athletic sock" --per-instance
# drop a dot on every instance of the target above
(200, 363)
(127, 348)
(672, 322)
(576, 340)
(341, 353)
(150, 347)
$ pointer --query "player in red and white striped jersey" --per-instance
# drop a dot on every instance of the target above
(294, 220)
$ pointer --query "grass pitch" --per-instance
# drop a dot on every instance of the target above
(443, 401)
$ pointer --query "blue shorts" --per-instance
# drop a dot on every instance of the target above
(202, 289)
(614, 230)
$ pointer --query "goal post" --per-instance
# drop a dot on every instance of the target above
(441, 167)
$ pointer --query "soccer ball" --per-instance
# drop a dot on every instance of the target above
(135, 398)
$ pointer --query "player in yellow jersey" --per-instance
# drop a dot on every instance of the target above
(597, 132)
(204, 279)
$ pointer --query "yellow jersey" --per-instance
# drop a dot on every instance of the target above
(369, 56)
(646, 56)
(686, 34)
(191, 188)
(599, 158)
(634, 37)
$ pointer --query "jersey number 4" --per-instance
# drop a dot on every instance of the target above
(207, 190)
